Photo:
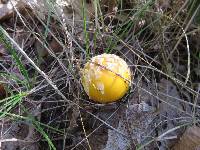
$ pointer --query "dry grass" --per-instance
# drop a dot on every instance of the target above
(41, 56)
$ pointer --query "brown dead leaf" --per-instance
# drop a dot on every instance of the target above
(8, 9)
(3, 1)
(73, 120)
(162, 5)
(55, 46)
(42, 52)
(2, 92)
(2, 51)
(111, 5)
(190, 139)
(90, 11)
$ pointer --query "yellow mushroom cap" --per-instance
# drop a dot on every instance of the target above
(106, 78)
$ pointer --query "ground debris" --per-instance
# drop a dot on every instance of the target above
(9, 8)
(190, 140)
(150, 118)
(20, 134)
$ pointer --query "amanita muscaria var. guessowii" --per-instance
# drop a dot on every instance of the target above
(106, 78)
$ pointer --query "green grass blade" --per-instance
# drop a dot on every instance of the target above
(7, 44)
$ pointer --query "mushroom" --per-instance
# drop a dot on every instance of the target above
(106, 78)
